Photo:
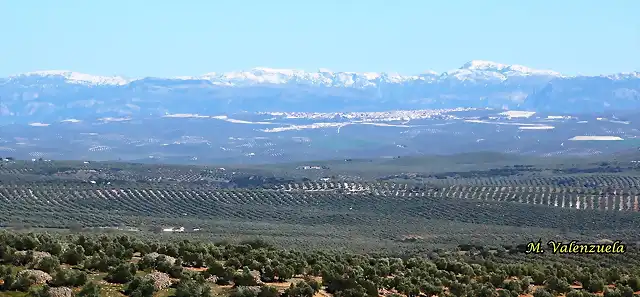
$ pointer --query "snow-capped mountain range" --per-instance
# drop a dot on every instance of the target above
(473, 70)
(476, 84)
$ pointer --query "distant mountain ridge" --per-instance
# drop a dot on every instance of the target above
(57, 95)
(325, 77)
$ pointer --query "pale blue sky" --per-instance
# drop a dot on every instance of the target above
(191, 37)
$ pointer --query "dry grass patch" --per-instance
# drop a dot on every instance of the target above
(110, 290)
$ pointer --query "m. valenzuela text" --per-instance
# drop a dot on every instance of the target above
(575, 247)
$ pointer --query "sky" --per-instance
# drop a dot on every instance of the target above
(137, 38)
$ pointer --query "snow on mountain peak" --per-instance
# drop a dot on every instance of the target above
(77, 77)
(258, 75)
(488, 70)
(275, 70)
(264, 75)
(624, 75)
(483, 65)
(429, 72)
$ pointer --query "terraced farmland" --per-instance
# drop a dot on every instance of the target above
(99, 206)
(614, 192)
(241, 201)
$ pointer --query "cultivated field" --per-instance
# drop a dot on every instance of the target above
(354, 204)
